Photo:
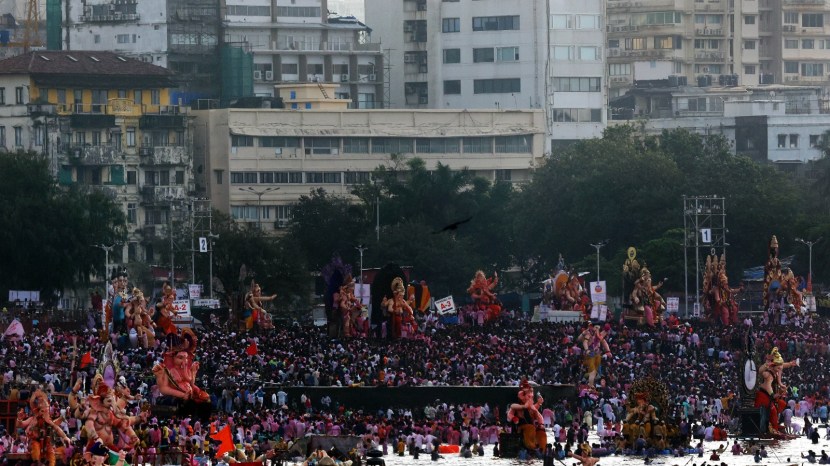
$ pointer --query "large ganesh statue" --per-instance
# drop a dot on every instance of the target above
(645, 300)
(481, 291)
(526, 418)
(106, 416)
(719, 299)
(646, 413)
(40, 428)
(176, 377)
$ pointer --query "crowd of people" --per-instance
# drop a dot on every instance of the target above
(242, 372)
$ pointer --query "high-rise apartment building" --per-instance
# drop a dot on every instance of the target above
(234, 48)
(296, 41)
(476, 54)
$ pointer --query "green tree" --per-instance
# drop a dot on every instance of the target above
(47, 234)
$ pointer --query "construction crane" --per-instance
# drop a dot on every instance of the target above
(28, 36)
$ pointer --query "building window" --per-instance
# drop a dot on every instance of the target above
(577, 115)
(356, 145)
(452, 55)
(18, 136)
(132, 213)
(589, 53)
(122, 38)
(452, 87)
(782, 141)
(791, 67)
(619, 69)
(242, 141)
(218, 175)
(749, 44)
(496, 23)
(507, 54)
(812, 69)
(484, 55)
(180, 177)
(576, 84)
(132, 177)
(790, 17)
(513, 144)
(478, 145)
(749, 69)
(814, 140)
(295, 11)
(18, 95)
(812, 20)
(561, 22)
(562, 52)
(664, 17)
(155, 98)
(2, 96)
(587, 21)
(451, 25)
(749, 19)
(3, 137)
(357, 177)
(283, 142)
(793, 141)
(497, 86)
(137, 97)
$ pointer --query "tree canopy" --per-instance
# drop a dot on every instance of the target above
(47, 232)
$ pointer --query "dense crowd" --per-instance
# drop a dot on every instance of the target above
(697, 362)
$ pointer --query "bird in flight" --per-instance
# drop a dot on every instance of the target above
(453, 226)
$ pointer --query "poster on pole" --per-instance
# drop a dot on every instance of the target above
(195, 291)
(203, 244)
(696, 310)
(182, 308)
(706, 235)
(599, 294)
(673, 305)
(363, 293)
(445, 306)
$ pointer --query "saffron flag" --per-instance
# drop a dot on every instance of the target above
(14, 330)
(225, 441)
(251, 350)
(86, 359)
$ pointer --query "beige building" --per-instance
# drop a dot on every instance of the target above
(726, 42)
(258, 162)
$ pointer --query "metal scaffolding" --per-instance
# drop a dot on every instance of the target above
(704, 225)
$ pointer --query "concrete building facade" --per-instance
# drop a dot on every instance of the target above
(250, 152)
(100, 120)
(501, 55)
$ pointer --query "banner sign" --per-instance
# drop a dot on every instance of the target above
(363, 293)
(208, 303)
(445, 306)
(24, 296)
(599, 294)
(182, 307)
(195, 291)
(673, 304)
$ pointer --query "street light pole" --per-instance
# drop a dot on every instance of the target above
(809, 245)
(361, 248)
(106, 250)
(259, 195)
(211, 237)
(599, 246)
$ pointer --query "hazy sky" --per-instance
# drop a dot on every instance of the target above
(347, 8)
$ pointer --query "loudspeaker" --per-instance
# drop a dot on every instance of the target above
(750, 422)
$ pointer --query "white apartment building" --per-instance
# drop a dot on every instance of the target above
(500, 55)
(296, 41)
(577, 92)
(259, 162)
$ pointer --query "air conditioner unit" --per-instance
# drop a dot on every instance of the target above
(408, 58)
(278, 151)
(344, 78)
(373, 77)
(257, 75)
(269, 75)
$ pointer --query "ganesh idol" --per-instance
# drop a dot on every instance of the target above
(481, 291)
(526, 417)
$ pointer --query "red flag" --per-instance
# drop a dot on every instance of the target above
(251, 350)
(86, 359)
(225, 441)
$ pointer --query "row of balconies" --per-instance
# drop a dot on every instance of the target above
(656, 5)
(120, 107)
(314, 46)
(111, 154)
(111, 18)
(162, 194)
